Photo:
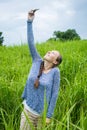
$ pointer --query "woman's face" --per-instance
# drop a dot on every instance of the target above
(51, 56)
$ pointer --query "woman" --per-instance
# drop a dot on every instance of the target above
(44, 76)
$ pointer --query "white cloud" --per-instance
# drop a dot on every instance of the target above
(71, 13)
(20, 16)
(53, 15)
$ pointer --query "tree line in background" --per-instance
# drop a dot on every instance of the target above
(68, 35)
(1, 39)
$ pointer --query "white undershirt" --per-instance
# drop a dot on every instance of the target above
(29, 109)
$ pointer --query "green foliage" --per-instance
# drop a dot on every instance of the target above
(1, 39)
(69, 34)
(71, 108)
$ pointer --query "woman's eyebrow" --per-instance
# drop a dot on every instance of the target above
(53, 52)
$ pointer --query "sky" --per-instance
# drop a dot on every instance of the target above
(53, 15)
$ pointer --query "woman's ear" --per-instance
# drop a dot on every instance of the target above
(55, 62)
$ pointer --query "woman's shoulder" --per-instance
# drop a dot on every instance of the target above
(56, 70)
(38, 60)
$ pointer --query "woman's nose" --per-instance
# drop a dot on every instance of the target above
(48, 52)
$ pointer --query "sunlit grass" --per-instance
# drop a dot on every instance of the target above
(71, 108)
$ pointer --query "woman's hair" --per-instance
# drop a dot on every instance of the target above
(36, 83)
(59, 60)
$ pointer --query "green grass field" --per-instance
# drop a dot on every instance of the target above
(71, 108)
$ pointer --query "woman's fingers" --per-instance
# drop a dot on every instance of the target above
(48, 120)
(31, 14)
(33, 11)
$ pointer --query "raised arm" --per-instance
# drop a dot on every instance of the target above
(30, 37)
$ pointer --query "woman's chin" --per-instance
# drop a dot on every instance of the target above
(46, 58)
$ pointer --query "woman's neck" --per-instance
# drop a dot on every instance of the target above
(47, 65)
